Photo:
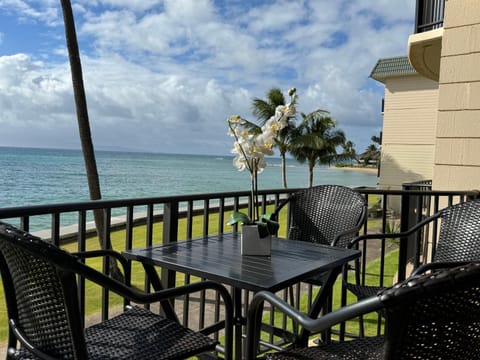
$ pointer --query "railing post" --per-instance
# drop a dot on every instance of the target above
(404, 225)
(170, 234)
(411, 214)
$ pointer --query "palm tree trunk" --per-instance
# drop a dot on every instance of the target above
(284, 170)
(84, 127)
(310, 173)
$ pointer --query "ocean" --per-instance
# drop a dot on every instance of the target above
(45, 176)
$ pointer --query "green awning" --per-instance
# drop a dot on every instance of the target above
(392, 67)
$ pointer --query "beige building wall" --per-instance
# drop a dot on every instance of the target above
(409, 128)
(457, 157)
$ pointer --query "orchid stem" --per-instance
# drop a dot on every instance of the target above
(252, 168)
(257, 216)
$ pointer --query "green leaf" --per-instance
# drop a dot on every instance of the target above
(267, 226)
(266, 216)
(238, 217)
(263, 229)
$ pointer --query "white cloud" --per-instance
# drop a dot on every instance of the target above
(136, 5)
(32, 95)
(387, 10)
(46, 11)
(164, 75)
(278, 16)
(125, 101)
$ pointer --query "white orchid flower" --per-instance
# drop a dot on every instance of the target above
(236, 119)
(283, 113)
(264, 143)
(257, 162)
(252, 143)
(240, 163)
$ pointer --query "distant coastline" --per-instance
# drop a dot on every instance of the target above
(369, 170)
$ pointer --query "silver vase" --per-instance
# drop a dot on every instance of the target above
(253, 244)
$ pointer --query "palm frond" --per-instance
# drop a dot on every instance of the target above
(275, 97)
(310, 141)
(262, 110)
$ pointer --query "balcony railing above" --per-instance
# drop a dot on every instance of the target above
(429, 15)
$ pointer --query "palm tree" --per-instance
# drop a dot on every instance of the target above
(316, 140)
(376, 139)
(349, 151)
(264, 110)
(371, 153)
(84, 127)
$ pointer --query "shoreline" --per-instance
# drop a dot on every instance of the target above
(356, 168)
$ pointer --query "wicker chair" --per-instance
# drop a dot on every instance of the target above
(458, 240)
(39, 280)
(324, 214)
(428, 316)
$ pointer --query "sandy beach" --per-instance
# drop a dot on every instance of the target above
(356, 168)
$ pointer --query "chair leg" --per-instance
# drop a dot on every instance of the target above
(292, 298)
(292, 302)
(361, 330)
(327, 308)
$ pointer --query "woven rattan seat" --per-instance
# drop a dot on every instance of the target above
(361, 349)
(40, 288)
(428, 316)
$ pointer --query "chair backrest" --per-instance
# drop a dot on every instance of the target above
(459, 237)
(321, 213)
(435, 316)
(41, 297)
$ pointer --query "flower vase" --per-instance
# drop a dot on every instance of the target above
(253, 244)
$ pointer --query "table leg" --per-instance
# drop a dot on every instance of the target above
(157, 286)
(320, 301)
(237, 322)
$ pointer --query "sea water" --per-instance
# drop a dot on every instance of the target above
(45, 176)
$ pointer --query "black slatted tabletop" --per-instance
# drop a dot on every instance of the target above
(218, 258)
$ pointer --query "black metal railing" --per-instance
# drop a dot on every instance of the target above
(429, 15)
(203, 214)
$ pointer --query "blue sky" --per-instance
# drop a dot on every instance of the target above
(163, 75)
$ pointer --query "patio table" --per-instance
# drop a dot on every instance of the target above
(217, 257)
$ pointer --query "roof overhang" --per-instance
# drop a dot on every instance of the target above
(387, 68)
(424, 50)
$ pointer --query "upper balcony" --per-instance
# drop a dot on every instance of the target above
(424, 47)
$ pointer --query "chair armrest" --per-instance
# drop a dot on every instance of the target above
(410, 231)
(108, 253)
(312, 325)
(141, 297)
(437, 266)
(351, 231)
(23, 339)
(102, 253)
